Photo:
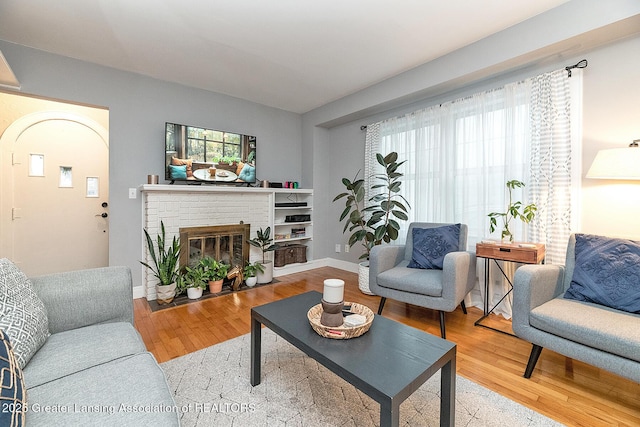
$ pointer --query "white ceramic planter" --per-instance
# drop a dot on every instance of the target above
(267, 276)
(194, 293)
(251, 281)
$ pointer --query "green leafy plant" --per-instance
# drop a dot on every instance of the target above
(263, 241)
(371, 225)
(515, 210)
(251, 269)
(213, 269)
(193, 277)
(165, 261)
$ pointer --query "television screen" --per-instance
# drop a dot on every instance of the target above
(205, 155)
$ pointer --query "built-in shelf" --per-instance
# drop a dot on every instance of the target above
(281, 227)
(292, 239)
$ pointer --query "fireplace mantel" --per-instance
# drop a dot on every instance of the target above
(206, 188)
(212, 205)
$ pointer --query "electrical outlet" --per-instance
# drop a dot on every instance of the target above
(337, 247)
(346, 248)
(133, 193)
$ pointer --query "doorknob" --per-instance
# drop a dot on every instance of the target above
(103, 215)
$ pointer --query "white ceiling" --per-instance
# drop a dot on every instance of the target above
(291, 54)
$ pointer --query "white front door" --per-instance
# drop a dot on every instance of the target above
(60, 193)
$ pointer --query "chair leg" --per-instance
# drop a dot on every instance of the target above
(533, 359)
(381, 306)
(442, 331)
(463, 307)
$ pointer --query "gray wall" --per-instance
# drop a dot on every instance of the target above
(138, 108)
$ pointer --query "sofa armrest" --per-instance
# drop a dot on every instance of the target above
(383, 258)
(458, 268)
(533, 285)
(85, 297)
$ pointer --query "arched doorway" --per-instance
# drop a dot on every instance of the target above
(55, 192)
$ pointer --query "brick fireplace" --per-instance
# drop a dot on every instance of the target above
(184, 206)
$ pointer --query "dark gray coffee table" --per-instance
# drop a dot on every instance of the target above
(388, 363)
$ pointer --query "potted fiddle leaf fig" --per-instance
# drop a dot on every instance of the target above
(263, 242)
(515, 210)
(374, 221)
(165, 264)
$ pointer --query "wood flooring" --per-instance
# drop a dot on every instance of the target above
(566, 390)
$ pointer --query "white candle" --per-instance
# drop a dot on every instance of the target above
(333, 290)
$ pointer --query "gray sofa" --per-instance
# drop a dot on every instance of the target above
(594, 334)
(94, 368)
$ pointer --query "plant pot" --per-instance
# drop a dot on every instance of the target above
(215, 286)
(251, 281)
(194, 293)
(165, 293)
(363, 278)
(267, 275)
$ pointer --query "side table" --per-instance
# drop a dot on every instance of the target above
(524, 253)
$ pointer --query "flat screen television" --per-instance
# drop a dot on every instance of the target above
(199, 155)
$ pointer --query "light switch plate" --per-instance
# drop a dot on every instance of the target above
(133, 193)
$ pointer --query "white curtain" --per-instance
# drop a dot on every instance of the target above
(460, 155)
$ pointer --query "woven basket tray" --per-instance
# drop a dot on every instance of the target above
(340, 332)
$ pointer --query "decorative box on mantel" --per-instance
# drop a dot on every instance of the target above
(290, 254)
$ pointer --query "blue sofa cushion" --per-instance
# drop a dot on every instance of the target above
(430, 245)
(178, 172)
(248, 173)
(606, 272)
(12, 390)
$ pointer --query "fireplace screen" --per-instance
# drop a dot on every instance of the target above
(226, 243)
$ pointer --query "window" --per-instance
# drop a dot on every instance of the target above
(460, 154)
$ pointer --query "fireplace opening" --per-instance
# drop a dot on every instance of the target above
(226, 243)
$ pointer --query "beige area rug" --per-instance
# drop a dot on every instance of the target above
(212, 388)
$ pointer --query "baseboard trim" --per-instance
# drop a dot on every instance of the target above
(138, 292)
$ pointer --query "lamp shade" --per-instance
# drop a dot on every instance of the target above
(616, 163)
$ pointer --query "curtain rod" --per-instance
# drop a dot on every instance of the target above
(580, 64)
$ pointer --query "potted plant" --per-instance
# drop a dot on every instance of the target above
(215, 271)
(378, 222)
(513, 211)
(250, 273)
(194, 280)
(263, 242)
(164, 266)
